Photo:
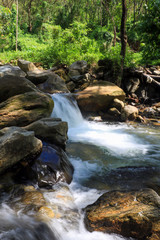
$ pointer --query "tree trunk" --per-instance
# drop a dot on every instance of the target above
(29, 16)
(17, 26)
(105, 4)
(123, 38)
(134, 11)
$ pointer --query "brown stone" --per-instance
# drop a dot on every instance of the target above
(26, 66)
(23, 109)
(98, 97)
(36, 198)
(130, 214)
(129, 113)
(45, 211)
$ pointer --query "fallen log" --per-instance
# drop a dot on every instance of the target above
(155, 77)
(150, 80)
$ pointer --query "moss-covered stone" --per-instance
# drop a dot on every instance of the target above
(24, 109)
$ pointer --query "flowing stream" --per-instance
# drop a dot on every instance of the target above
(105, 157)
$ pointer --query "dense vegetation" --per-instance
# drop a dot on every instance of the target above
(55, 31)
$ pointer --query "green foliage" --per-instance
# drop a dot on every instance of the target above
(148, 29)
(71, 44)
(7, 27)
(84, 30)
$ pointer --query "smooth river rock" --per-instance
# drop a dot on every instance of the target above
(99, 96)
(23, 109)
(26, 66)
(17, 144)
(129, 112)
(37, 76)
(131, 214)
(51, 130)
(8, 69)
(14, 85)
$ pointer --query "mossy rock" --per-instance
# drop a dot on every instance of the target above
(24, 109)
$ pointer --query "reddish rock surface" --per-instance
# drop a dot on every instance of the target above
(131, 214)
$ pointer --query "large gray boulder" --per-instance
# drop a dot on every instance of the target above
(53, 84)
(23, 109)
(17, 144)
(51, 130)
(78, 68)
(8, 69)
(37, 76)
(14, 85)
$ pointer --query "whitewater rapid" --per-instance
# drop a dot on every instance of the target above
(95, 149)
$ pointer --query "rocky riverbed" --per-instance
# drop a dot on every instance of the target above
(33, 146)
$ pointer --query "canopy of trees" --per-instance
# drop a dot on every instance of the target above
(90, 26)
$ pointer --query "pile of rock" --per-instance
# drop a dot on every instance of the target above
(25, 123)
(106, 100)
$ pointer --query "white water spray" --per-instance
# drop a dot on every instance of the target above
(112, 137)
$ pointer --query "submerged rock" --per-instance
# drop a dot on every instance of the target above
(99, 96)
(17, 144)
(130, 214)
(51, 130)
(22, 109)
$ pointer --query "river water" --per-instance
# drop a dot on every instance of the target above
(105, 156)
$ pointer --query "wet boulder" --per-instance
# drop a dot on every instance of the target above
(22, 109)
(51, 130)
(17, 144)
(51, 167)
(131, 214)
(99, 96)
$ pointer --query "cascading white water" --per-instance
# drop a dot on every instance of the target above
(65, 107)
(93, 148)
(112, 141)
(112, 137)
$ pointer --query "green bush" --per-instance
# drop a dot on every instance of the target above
(7, 28)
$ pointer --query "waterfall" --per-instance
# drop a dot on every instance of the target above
(96, 151)
(112, 137)
(65, 107)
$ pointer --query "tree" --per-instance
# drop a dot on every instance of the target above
(123, 37)
(17, 25)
